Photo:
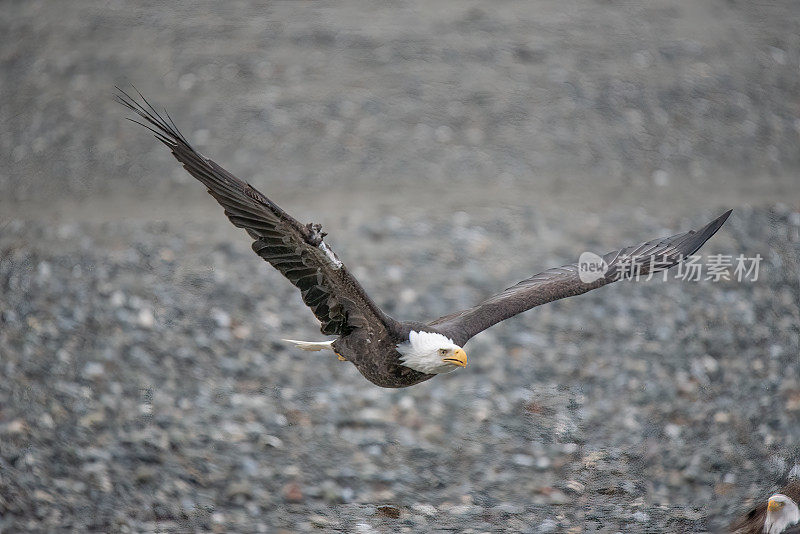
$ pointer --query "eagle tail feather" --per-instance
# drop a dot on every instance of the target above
(312, 346)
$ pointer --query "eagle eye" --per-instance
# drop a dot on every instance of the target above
(442, 351)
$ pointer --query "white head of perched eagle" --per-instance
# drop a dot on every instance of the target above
(782, 512)
(388, 352)
(777, 515)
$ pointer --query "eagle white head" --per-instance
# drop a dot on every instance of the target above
(781, 513)
(431, 353)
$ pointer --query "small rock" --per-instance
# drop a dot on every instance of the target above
(241, 331)
(268, 440)
(221, 317)
(574, 486)
(44, 271)
(118, 299)
(389, 511)
(46, 420)
(661, 178)
(722, 417)
(641, 517)
(424, 509)
(236, 489)
(672, 430)
(408, 295)
(17, 426)
(292, 493)
(508, 508)
(144, 474)
(548, 525)
(93, 370)
(524, 460)
(92, 418)
(364, 528)
(42, 496)
(146, 318)
(320, 521)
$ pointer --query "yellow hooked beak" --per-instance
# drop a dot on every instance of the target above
(458, 358)
(773, 505)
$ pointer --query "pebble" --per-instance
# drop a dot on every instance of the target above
(424, 509)
(641, 517)
(16, 426)
(548, 525)
(321, 521)
(222, 318)
(508, 508)
(292, 493)
(93, 370)
(145, 318)
(389, 511)
(524, 460)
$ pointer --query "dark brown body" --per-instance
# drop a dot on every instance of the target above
(373, 350)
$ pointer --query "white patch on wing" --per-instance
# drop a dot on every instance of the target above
(331, 256)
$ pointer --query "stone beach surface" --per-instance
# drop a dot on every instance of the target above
(450, 149)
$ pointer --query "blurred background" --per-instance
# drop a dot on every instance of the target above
(450, 149)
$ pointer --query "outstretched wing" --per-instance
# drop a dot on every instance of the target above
(560, 282)
(296, 250)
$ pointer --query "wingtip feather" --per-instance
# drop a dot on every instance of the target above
(719, 221)
(693, 241)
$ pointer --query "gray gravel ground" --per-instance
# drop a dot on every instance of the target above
(450, 149)
(563, 94)
(146, 388)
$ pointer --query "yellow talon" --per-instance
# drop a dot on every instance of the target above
(341, 358)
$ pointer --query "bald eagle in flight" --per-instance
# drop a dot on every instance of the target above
(388, 352)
